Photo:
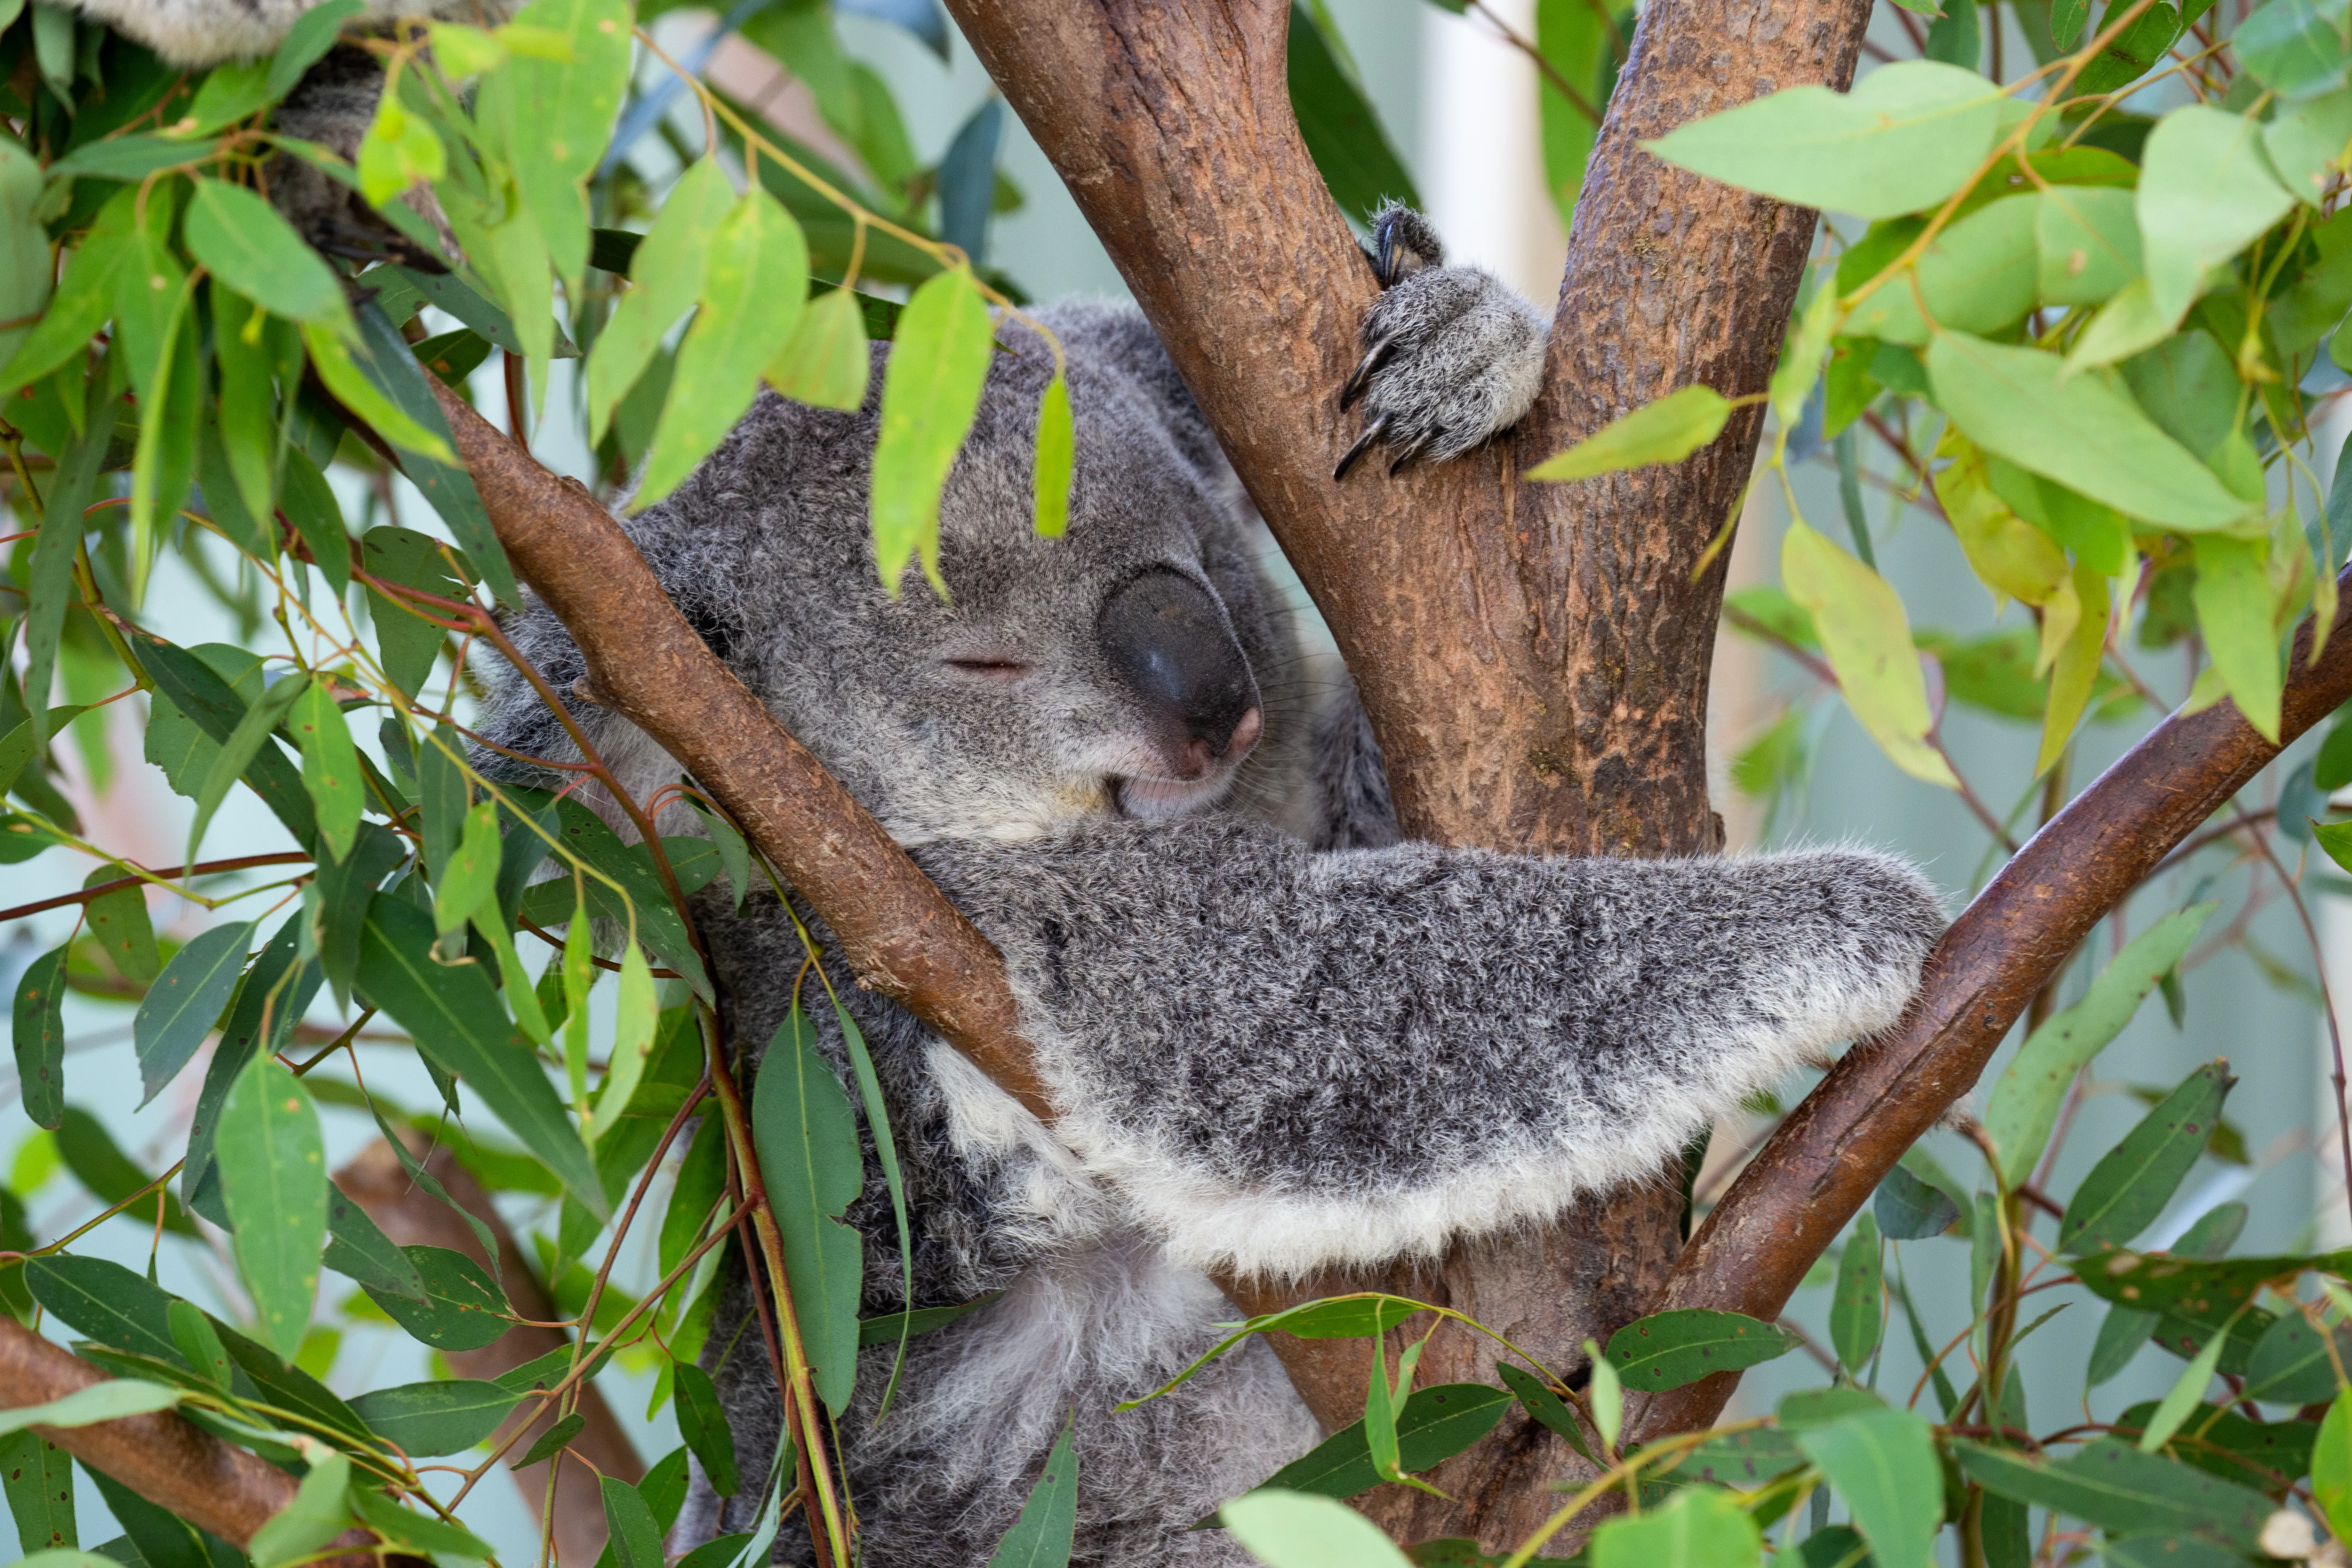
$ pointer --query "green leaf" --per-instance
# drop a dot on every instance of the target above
(330, 766)
(332, 358)
(629, 1523)
(553, 1441)
(666, 279)
(891, 1327)
(1341, 130)
(2225, 1444)
(636, 1012)
(1742, 1461)
(2331, 1467)
(550, 117)
(2236, 612)
(1699, 1527)
(1978, 276)
(1056, 454)
(83, 300)
(1883, 1464)
(1665, 431)
(307, 500)
(1605, 1396)
(1667, 1350)
(1908, 1207)
(240, 238)
(238, 752)
(1867, 637)
(213, 706)
(273, 1175)
(2024, 1106)
(181, 1006)
(119, 922)
(2307, 145)
(703, 1424)
(2086, 240)
(2122, 1332)
(2167, 1551)
(113, 1306)
(468, 878)
(54, 550)
(40, 1478)
(2206, 191)
(1291, 1530)
(317, 1515)
(809, 1158)
(1434, 1425)
(1907, 136)
(41, 1038)
(2115, 1486)
(2081, 430)
(453, 1012)
(26, 267)
(2184, 1395)
(886, 1155)
(424, 1536)
(2132, 1182)
(464, 1309)
(1858, 1311)
(109, 1401)
(357, 1249)
(306, 43)
(345, 888)
(1043, 1535)
(930, 393)
(825, 363)
(2295, 48)
(2196, 1292)
(754, 284)
(646, 905)
(2291, 1364)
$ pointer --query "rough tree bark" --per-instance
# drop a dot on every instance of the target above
(1534, 657)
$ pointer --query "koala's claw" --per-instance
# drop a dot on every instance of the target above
(1450, 355)
(1373, 433)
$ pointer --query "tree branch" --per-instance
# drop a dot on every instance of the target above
(161, 1457)
(1826, 1159)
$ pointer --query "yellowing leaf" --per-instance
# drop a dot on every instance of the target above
(1801, 361)
(2010, 555)
(398, 151)
(825, 363)
(752, 292)
(2085, 433)
(2235, 614)
(2075, 668)
(462, 51)
(1868, 639)
(931, 392)
(1665, 431)
(1056, 454)
(1908, 135)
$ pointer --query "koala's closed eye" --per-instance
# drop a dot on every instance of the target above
(1002, 671)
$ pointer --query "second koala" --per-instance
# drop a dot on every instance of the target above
(1278, 1039)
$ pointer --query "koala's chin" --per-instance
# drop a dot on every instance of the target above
(1163, 800)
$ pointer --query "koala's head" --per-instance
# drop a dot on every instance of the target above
(1123, 668)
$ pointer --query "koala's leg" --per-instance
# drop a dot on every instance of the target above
(1452, 355)
(1281, 1059)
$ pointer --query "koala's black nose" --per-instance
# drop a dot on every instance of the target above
(1170, 641)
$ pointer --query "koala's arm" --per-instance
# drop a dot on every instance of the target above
(1284, 1059)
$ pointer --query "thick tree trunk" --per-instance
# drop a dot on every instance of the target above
(1534, 657)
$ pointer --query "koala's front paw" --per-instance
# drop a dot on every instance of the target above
(1450, 355)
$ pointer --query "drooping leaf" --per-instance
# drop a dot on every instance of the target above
(212, 705)
(755, 281)
(629, 1524)
(1667, 1350)
(666, 278)
(2331, 1467)
(1056, 454)
(1908, 135)
(2236, 611)
(1882, 1463)
(930, 393)
(2113, 1485)
(1908, 1207)
(1858, 1310)
(1341, 129)
(2184, 1395)
(273, 1173)
(825, 363)
(1043, 1535)
(634, 1017)
(109, 1401)
(2205, 192)
(2291, 1364)
(38, 1476)
(317, 1514)
(2134, 1181)
(330, 766)
(1867, 637)
(551, 116)
(703, 1424)
(809, 1158)
(181, 1006)
(240, 238)
(2024, 1106)
(1665, 431)
(119, 922)
(41, 1038)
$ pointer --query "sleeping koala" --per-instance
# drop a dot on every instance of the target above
(1278, 1039)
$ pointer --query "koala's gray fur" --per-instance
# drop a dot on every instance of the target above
(206, 32)
(1278, 1039)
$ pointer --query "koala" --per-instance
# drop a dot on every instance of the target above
(1278, 1038)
